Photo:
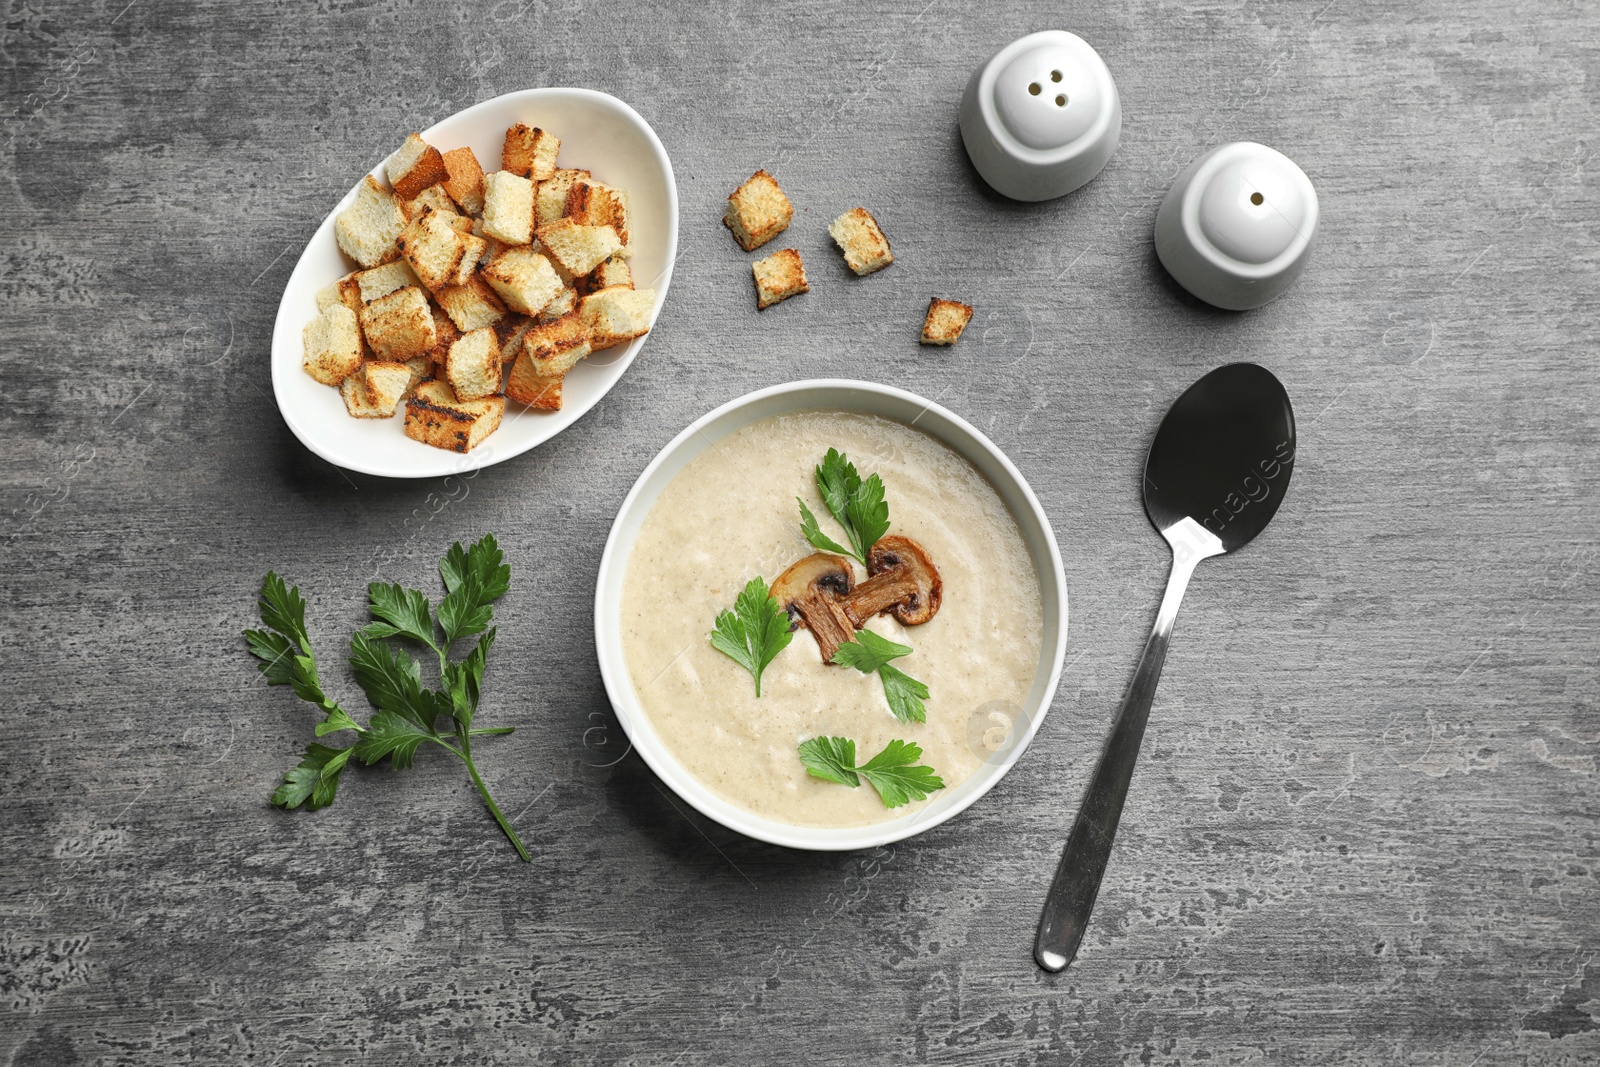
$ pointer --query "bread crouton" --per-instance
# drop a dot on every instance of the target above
(367, 229)
(612, 274)
(524, 279)
(565, 303)
(510, 331)
(332, 345)
(550, 201)
(418, 368)
(414, 166)
(757, 211)
(400, 325)
(375, 393)
(436, 250)
(577, 248)
(865, 247)
(592, 203)
(615, 316)
(491, 246)
(778, 277)
(471, 306)
(329, 294)
(464, 179)
(549, 351)
(508, 207)
(433, 196)
(530, 152)
(444, 335)
(473, 366)
(381, 281)
(435, 416)
(946, 319)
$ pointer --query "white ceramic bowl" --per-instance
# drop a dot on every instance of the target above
(598, 132)
(863, 398)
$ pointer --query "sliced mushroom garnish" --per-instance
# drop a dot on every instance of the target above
(810, 591)
(904, 583)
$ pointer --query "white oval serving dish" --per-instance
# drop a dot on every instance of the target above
(866, 398)
(598, 132)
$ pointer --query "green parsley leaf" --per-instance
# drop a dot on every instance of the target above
(474, 579)
(392, 680)
(855, 504)
(869, 653)
(389, 733)
(464, 680)
(276, 654)
(892, 772)
(831, 758)
(315, 781)
(283, 610)
(754, 632)
(403, 613)
(813, 533)
(337, 720)
(904, 693)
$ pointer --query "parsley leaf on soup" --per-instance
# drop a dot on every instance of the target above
(894, 773)
(855, 504)
(870, 654)
(754, 632)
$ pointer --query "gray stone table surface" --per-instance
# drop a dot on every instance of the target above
(1364, 829)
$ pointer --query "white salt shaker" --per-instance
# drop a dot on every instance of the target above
(1235, 229)
(1042, 117)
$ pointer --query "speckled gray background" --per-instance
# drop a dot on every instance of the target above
(1364, 829)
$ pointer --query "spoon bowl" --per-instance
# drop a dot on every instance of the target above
(1215, 475)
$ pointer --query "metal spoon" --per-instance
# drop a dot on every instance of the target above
(1216, 473)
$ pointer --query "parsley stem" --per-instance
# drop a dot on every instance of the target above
(465, 737)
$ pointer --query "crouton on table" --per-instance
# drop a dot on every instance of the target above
(946, 319)
(865, 247)
(778, 277)
(757, 211)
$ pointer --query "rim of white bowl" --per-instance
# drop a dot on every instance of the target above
(487, 455)
(613, 564)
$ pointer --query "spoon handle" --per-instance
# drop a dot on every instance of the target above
(1083, 861)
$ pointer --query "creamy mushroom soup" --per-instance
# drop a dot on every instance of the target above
(730, 515)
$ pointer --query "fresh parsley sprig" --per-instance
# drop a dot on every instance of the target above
(856, 504)
(406, 713)
(754, 632)
(869, 654)
(893, 773)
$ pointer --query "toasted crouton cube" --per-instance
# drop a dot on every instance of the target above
(375, 393)
(433, 197)
(435, 250)
(473, 366)
(368, 228)
(550, 202)
(577, 248)
(612, 274)
(381, 281)
(444, 335)
(510, 331)
(464, 179)
(414, 166)
(329, 294)
(471, 306)
(591, 203)
(565, 303)
(530, 152)
(778, 277)
(865, 247)
(332, 345)
(757, 211)
(946, 319)
(491, 246)
(435, 416)
(615, 316)
(549, 351)
(524, 279)
(508, 207)
(400, 325)
(418, 368)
